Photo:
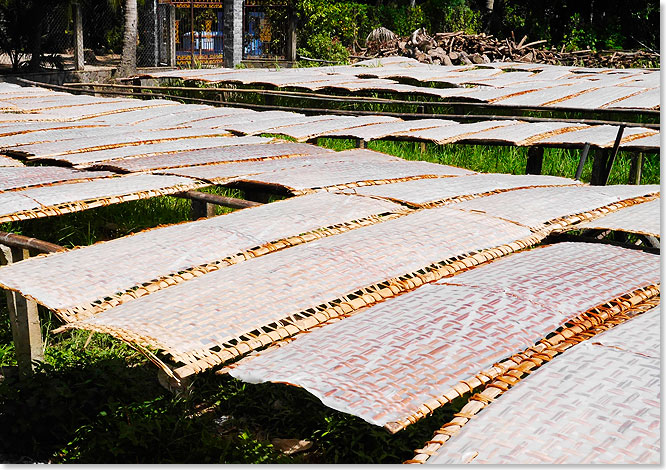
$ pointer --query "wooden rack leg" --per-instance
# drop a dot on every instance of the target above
(636, 169)
(534, 161)
(598, 167)
(202, 209)
(24, 319)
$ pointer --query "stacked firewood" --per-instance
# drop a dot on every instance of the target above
(465, 49)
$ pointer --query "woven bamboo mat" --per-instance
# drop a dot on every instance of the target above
(600, 136)
(95, 110)
(384, 363)
(377, 131)
(594, 404)
(431, 191)
(447, 134)
(225, 172)
(212, 144)
(649, 99)
(134, 116)
(68, 134)
(642, 335)
(103, 269)
(355, 172)
(188, 319)
(119, 139)
(640, 218)
(247, 151)
(594, 273)
(26, 176)
(57, 199)
(7, 161)
(536, 206)
(263, 124)
(17, 128)
(303, 132)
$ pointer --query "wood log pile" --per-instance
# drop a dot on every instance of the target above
(459, 48)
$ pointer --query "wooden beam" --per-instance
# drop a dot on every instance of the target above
(636, 169)
(24, 320)
(14, 240)
(216, 199)
(534, 161)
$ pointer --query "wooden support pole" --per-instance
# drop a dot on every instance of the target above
(24, 320)
(79, 63)
(581, 163)
(636, 169)
(360, 143)
(216, 199)
(423, 147)
(201, 209)
(598, 167)
(534, 161)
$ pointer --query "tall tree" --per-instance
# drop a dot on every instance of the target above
(130, 33)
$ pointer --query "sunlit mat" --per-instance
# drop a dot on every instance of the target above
(305, 131)
(597, 403)
(377, 131)
(53, 135)
(57, 199)
(8, 161)
(120, 139)
(344, 167)
(162, 159)
(384, 363)
(188, 320)
(433, 190)
(640, 218)
(26, 176)
(536, 206)
(104, 269)
(354, 168)
(212, 143)
(93, 110)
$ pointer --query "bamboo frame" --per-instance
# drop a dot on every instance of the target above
(510, 372)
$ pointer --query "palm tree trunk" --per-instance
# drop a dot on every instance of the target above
(128, 59)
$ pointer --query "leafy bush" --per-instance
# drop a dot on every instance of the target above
(321, 46)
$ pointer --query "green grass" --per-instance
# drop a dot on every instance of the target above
(97, 400)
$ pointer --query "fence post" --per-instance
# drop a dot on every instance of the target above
(171, 39)
(233, 32)
(24, 319)
(79, 63)
(291, 36)
(636, 168)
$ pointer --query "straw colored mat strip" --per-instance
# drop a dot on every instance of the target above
(377, 131)
(639, 218)
(17, 177)
(596, 403)
(15, 141)
(428, 192)
(305, 131)
(536, 207)
(96, 110)
(6, 161)
(210, 156)
(384, 363)
(101, 270)
(119, 139)
(309, 282)
(57, 199)
(116, 156)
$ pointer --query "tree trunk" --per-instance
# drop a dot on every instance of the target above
(128, 59)
(36, 48)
